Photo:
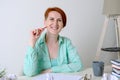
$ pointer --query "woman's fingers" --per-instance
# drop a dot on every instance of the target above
(38, 31)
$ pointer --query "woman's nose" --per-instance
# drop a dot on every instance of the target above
(55, 22)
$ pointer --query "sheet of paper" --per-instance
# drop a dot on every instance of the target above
(57, 76)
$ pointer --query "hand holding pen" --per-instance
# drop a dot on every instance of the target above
(35, 34)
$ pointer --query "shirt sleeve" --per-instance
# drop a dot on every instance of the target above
(31, 62)
(74, 64)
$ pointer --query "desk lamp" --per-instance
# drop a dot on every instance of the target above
(111, 7)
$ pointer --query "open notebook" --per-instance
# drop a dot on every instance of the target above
(57, 76)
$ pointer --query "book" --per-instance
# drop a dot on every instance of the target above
(116, 70)
(116, 67)
(116, 62)
(115, 74)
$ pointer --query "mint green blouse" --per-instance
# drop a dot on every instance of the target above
(53, 62)
(37, 59)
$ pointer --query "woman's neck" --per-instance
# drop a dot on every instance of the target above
(51, 39)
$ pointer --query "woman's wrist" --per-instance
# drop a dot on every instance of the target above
(32, 43)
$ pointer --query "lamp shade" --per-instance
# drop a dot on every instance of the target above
(111, 7)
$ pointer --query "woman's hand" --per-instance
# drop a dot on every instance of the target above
(34, 35)
(46, 71)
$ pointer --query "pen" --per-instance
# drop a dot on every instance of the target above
(39, 30)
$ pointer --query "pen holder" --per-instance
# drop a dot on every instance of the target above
(98, 68)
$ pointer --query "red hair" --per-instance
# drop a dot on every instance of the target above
(62, 13)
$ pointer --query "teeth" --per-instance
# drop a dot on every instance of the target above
(54, 28)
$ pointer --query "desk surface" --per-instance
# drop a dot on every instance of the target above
(87, 71)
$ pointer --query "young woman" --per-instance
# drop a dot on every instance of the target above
(49, 52)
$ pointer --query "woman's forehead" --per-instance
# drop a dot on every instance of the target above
(54, 14)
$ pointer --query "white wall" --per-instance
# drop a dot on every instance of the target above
(18, 17)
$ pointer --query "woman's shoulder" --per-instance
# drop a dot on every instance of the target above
(64, 39)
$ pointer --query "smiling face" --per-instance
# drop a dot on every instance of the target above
(54, 22)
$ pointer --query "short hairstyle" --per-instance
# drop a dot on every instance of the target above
(62, 13)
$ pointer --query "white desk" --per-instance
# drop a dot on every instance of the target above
(87, 71)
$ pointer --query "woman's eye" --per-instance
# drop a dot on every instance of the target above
(60, 20)
(51, 19)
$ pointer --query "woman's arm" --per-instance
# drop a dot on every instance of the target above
(74, 64)
(31, 62)
(71, 67)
